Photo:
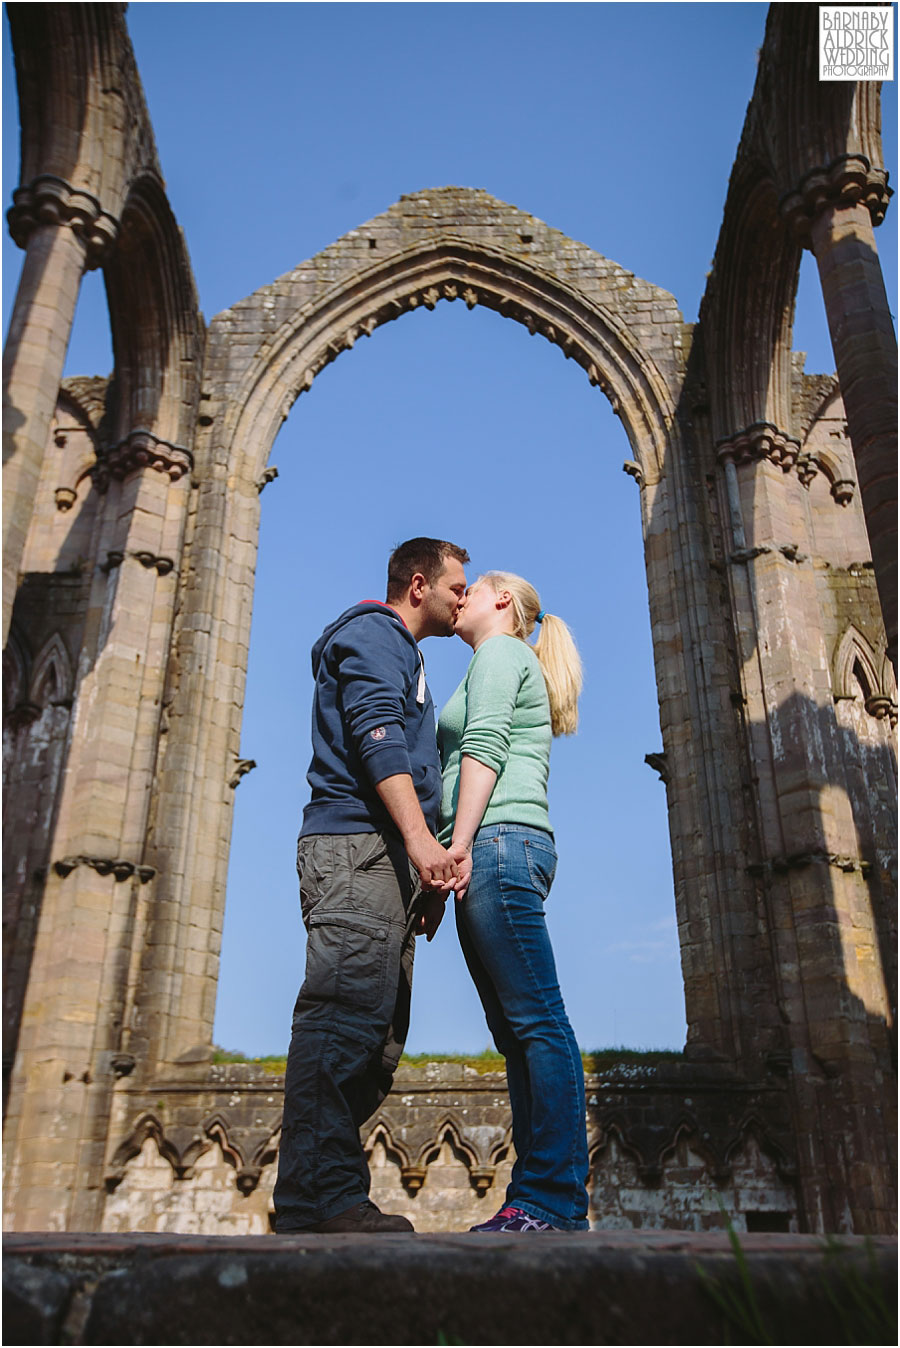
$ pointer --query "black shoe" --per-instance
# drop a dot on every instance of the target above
(365, 1218)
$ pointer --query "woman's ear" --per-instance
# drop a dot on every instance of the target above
(504, 599)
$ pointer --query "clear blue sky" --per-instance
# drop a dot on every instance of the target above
(282, 126)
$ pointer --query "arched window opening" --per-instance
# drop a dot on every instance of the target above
(460, 426)
(90, 345)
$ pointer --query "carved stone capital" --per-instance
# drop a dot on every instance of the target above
(247, 1178)
(241, 768)
(412, 1177)
(848, 180)
(843, 490)
(659, 763)
(481, 1177)
(806, 469)
(762, 440)
(119, 867)
(51, 200)
(141, 449)
(122, 1064)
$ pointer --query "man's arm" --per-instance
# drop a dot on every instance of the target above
(436, 867)
(372, 675)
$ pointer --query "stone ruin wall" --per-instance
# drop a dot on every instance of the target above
(130, 526)
(669, 1150)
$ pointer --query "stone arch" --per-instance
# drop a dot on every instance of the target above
(687, 1132)
(752, 293)
(449, 268)
(146, 1128)
(453, 244)
(394, 1149)
(215, 1130)
(52, 676)
(856, 661)
(155, 325)
(753, 1126)
(615, 1130)
(446, 243)
(449, 1130)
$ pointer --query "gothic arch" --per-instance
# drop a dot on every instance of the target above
(752, 294)
(51, 679)
(395, 1150)
(448, 267)
(156, 330)
(146, 1127)
(453, 244)
(857, 661)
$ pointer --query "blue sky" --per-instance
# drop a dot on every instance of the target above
(280, 128)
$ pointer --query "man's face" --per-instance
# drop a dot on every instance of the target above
(441, 600)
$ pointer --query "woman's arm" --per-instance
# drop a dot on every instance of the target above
(476, 782)
(492, 688)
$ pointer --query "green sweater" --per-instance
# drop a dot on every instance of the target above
(499, 715)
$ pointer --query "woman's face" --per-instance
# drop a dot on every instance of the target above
(478, 613)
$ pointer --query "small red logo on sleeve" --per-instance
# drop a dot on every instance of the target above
(378, 733)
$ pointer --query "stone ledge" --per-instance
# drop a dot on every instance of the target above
(611, 1287)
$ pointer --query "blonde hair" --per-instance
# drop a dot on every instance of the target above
(555, 648)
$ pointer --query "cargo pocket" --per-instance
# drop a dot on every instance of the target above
(346, 961)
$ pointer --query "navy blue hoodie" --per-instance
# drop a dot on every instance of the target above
(372, 718)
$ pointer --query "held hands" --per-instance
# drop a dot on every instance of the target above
(440, 870)
(437, 869)
(462, 855)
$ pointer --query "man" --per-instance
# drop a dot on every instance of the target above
(372, 875)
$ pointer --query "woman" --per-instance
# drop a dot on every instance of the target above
(494, 735)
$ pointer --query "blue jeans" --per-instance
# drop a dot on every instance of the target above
(504, 938)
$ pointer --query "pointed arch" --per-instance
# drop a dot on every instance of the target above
(154, 314)
(52, 679)
(147, 1127)
(749, 307)
(215, 1129)
(449, 1130)
(447, 244)
(687, 1130)
(752, 1125)
(856, 659)
(395, 1150)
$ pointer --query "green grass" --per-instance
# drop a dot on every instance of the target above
(595, 1060)
(271, 1063)
(856, 1295)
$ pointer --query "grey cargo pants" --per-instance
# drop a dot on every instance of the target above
(358, 894)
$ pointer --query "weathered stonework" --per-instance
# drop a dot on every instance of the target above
(671, 1146)
(131, 516)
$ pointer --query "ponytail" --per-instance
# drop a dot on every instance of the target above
(555, 649)
(561, 666)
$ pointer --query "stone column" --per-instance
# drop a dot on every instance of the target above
(64, 232)
(833, 213)
(814, 901)
(98, 888)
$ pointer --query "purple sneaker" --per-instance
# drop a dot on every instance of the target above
(514, 1219)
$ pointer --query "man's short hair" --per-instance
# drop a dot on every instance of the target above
(422, 556)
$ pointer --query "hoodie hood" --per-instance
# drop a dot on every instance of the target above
(365, 606)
